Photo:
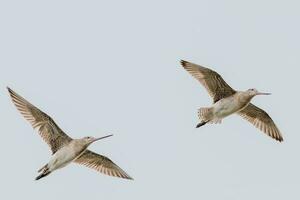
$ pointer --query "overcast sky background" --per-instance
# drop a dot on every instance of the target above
(102, 67)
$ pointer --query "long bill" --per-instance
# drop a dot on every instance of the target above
(100, 138)
(263, 93)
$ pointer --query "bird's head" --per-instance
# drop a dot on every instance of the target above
(89, 140)
(253, 92)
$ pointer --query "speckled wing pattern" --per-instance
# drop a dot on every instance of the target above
(211, 80)
(260, 119)
(101, 164)
(46, 127)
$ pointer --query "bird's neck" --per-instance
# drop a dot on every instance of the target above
(79, 145)
(244, 98)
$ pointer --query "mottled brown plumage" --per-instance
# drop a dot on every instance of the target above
(64, 148)
(260, 119)
(101, 164)
(211, 80)
(224, 97)
(46, 127)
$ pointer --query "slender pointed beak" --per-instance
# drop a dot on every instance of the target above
(263, 93)
(100, 138)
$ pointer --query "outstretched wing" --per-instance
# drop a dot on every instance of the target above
(101, 164)
(47, 128)
(260, 119)
(211, 80)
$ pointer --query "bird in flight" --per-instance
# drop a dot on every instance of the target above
(64, 149)
(227, 101)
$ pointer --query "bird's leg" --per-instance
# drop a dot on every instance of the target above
(44, 167)
(201, 124)
(45, 172)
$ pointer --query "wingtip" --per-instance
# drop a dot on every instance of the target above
(8, 88)
(183, 62)
(279, 139)
(130, 178)
(126, 176)
(10, 91)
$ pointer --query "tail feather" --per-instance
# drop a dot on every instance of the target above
(205, 114)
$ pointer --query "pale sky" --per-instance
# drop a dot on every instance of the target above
(112, 67)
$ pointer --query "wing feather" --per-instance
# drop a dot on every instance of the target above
(101, 164)
(39, 120)
(261, 120)
(211, 80)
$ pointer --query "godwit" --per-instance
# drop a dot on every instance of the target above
(64, 149)
(227, 101)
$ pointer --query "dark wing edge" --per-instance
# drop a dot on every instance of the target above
(261, 120)
(101, 164)
(47, 128)
(211, 80)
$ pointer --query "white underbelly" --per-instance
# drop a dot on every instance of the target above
(61, 158)
(226, 107)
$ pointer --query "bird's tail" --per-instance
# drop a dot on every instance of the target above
(205, 114)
